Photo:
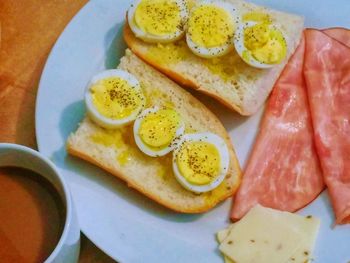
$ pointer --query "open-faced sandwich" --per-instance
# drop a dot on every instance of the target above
(146, 130)
(231, 50)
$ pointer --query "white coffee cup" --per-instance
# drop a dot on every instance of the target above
(68, 247)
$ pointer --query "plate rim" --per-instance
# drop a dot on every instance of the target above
(40, 84)
(38, 140)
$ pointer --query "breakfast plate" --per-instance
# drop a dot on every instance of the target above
(123, 223)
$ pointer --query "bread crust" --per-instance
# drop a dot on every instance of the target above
(137, 186)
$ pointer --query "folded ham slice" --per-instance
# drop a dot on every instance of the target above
(339, 33)
(283, 171)
(327, 74)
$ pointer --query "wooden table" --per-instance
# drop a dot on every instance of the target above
(28, 30)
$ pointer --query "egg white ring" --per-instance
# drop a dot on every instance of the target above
(145, 148)
(240, 47)
(151, 38)
(218, 51)
(97, 117)
(221, 146)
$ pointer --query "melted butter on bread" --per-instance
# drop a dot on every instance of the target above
(228, 67)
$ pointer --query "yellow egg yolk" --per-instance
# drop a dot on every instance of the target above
(158, 17)
(114, 98)
(158, 129)
(210, 26)
(256, 36)
(198, 162)
(266, 44)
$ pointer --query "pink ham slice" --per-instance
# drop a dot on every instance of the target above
(339, 33)
(283, 171)
(327, 74)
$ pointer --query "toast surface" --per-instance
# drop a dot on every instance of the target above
(228, 79)
(116, 151)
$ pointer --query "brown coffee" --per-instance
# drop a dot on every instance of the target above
(32, 216)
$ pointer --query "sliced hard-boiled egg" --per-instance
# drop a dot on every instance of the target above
(201, 161)
(260, 43)
(114, 98)
(157, 131)
(211, 27)
(158, 21)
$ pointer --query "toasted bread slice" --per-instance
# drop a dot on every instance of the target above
(116, 151)
(228, 79)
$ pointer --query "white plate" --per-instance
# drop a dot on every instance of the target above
(126, 225)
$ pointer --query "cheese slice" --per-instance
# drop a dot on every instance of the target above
(221, 236)
(309, 226)
(268, 235)
(303, 254)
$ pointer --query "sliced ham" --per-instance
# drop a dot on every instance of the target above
(283, 171)
(339, 33)
(327, 74)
